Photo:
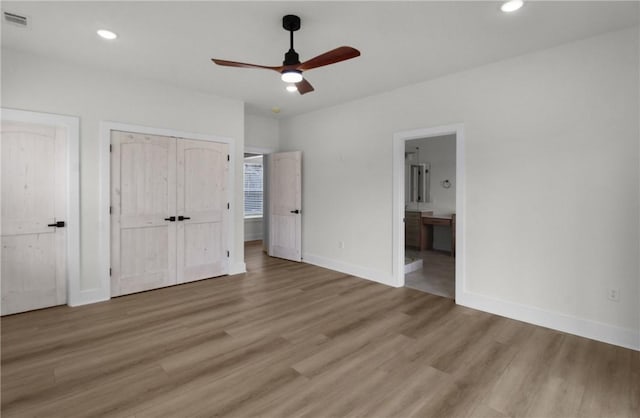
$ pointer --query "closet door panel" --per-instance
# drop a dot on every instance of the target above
(145, 259)
(202, 200)
(143, 196)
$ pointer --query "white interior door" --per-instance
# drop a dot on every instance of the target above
(285, 201)
(202, 209)
(143, 222)
(33, 215)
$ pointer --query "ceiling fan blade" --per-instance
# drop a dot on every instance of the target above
(335, 55)
(304, 86)
(225, 63)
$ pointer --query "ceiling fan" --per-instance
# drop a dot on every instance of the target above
(291, 69)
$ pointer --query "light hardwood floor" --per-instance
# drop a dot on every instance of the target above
(289, 339)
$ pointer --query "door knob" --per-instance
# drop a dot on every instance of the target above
(170, 218)
(183, 218)
(59, 224)
(295, 211)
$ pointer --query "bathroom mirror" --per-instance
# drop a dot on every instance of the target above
(420, 182)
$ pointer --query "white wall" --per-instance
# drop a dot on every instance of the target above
(440, 153)
(40, 84)
(261, 132)
(552, 182)
(253, 229)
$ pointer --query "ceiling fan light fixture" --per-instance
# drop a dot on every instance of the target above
(292, 76)
(511, 6)
(291, 88)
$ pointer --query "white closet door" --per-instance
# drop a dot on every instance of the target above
(285, 200)
(143, 189)
(202, 210)
(33, 199)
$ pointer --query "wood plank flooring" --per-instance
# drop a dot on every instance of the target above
(289, 340)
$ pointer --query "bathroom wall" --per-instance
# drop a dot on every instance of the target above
(440, 154)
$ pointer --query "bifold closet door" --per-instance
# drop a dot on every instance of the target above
(143, 190)
(169, 211)
(202, 209)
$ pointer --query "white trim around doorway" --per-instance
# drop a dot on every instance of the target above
(399, 139)
(72, 226)
(103, 292)
(257, 150)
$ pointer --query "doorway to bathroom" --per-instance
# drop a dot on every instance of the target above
(430, 214)
(428, 235)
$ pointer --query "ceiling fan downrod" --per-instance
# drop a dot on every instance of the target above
(291, 23)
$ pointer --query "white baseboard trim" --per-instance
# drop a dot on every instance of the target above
(623, 337)
(598, 331)
(357, 271)
(88, 296)
(252, 237)
(237, 268)
(413, 266)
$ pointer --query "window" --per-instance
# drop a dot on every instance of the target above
(253, 186)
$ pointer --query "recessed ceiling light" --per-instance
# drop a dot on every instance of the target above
(106, 34)
(275, 109)
(292, 88)
(511, 6)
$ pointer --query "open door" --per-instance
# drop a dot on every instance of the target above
(285, 201)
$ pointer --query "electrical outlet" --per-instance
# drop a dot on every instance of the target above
(613, 294)
(340, 244)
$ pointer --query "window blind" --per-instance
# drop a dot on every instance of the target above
(252, 189)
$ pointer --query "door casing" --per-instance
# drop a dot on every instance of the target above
(399, 139)
(71, 124)
(103, 292)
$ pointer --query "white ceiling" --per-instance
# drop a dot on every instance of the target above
(401, 42)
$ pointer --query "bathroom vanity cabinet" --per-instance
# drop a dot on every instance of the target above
(413, 229)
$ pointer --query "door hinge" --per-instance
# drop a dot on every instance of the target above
(228, 157)
(110, 210)
(109, 271)
(227, 254)
(228, 205)
(110, 148)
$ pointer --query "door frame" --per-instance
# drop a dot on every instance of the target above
(72, 172)
(399, 139)
(104, 291)
(249, 149)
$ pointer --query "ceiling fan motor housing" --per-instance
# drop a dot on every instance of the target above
(291, 58)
